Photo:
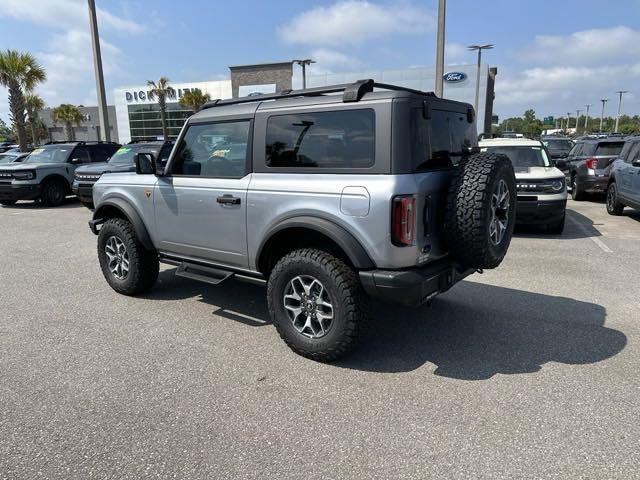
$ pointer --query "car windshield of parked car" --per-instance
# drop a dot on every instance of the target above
(49, 154)
(560, 144)
(522, 157)
(124, 156)
(609, 148)
(8, 157)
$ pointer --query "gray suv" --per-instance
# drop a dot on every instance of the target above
(328, 195)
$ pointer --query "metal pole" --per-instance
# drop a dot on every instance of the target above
(577, 119)
(475, 105)
(304, 75)
(442, 4)
(603, 100)
(586, 118)
(620, 93)
(97, 64)
(568, 118)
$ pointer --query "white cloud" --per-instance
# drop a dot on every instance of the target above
(332, 58)
(455, 51)
(355, 21)
(584, 47)
(64, 14)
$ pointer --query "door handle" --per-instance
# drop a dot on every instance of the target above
(228, 200)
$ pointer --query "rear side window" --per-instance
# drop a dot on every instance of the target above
(609, 148)
(333, 140)
(441, 141)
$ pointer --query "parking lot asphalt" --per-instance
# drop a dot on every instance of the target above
(528, 371)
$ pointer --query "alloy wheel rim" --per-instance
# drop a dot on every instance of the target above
(308, 306)
(611, 197)
(499, 213)
(118, 257)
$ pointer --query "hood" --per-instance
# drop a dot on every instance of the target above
(99, 168)
(538, 173)
(31, 166)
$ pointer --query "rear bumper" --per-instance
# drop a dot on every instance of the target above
(539, 212)
(415, 286)
(593, 183)
(19, 192)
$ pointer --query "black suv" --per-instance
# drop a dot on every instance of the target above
(46, 174)
(588, 164)
(123, 160)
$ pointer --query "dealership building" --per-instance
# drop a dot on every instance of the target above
(137, 116)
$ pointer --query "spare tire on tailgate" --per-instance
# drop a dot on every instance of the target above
(480, 213)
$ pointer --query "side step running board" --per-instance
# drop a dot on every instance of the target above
(201, 273)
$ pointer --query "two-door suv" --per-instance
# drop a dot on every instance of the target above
(123, 160)
(46, 174)
(328, 195)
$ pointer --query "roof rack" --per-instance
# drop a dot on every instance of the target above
(352, 92)
(79, 142)
(148, 140)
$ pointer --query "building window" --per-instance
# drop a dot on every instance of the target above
(145, 122)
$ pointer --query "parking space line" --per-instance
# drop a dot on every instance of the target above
(590, 235)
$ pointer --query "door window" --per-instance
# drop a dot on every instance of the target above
(576, 150)
(634, 154)
(213, 150)
(81, 154)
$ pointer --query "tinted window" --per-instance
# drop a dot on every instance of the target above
(523, 157)
(558, 144)
(164, 153)
(81, 154)
(343, 139)
(575, 151)
(100, 153)
(634, 154)
(440, 141)
(213, 150)
(609, 148)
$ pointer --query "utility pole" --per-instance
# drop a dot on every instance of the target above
(586, 118)
(303, 64)
(620, 93)
(97, 64)
(479, 48)
(442, 5)
(603, 100)
(577, 119)
(568, 120)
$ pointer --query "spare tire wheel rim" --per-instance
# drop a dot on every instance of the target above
(118, 257)
(499, 213)
(308, 306)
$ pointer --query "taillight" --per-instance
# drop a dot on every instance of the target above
(403, 220)
(591, 163)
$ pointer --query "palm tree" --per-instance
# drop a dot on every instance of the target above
(33, 104)
(194, 99)
(162, 90)
(19, 72)
(67, 114)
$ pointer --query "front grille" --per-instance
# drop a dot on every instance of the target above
(91, 177)
(536, 186)
(6, 176)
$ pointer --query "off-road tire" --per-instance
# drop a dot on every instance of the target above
(8, 203)
(577, 193)
(143, 263)
(468, 210)
(53, 193)
(351, 304)
(614, 207)
(557, 227)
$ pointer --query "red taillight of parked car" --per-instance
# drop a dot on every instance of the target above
(591, 163)
(403, 220)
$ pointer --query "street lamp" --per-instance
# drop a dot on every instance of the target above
(479, 48)
(303, 64)
(586, 118)
(568, 120)
(604, 101)
(577, 119)
(442, 4)
(620, 93)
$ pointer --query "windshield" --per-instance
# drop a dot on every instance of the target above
(49, 154)
(558, 144)
(124, 156)
(612, 148)
(522, 157)
(8, 157)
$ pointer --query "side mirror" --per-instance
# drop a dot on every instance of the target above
(145, 164)
(561, 164)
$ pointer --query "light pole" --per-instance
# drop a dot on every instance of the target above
(603, 100)
(442, 4)
(97, 64)
(568, 120)
(577, 119)
(586, 118)
(479, 48)
(303, 64)
(620, 93)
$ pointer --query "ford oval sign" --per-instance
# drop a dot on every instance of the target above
(454, 77)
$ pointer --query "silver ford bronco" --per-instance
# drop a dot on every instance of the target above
(328, 195)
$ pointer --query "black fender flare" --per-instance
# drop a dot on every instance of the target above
(345, 240)
(130, 214)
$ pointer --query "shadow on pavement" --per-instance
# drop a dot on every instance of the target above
(473, 332)
(585, 228)
(69, 202)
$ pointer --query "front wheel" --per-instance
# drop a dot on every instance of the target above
(317, 304)
(53, 193)
(128, 267)
(614, 207)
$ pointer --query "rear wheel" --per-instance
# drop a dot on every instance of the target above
(614, 207)
(53, 193)
(317, 304)
(577, 193)
(128, 267)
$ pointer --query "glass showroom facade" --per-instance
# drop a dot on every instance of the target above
(145, 122)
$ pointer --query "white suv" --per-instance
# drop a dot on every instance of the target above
(541, 187)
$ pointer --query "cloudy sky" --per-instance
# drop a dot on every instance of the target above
(552, 56)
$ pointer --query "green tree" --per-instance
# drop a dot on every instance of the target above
(194, 99)
(19, 72)
(68, 115)
(5, 132)
(33, 104)
(162, 90)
